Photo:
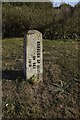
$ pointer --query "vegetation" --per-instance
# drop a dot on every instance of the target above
(55, 23)
(56, 97)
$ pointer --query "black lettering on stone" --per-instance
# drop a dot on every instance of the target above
(30, 63)
(34, 65)
(34, 57)
(38, 61)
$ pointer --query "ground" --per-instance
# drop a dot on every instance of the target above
(56, 97)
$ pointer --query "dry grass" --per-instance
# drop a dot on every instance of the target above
(56, 97)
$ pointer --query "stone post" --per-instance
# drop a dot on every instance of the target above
(33, 56)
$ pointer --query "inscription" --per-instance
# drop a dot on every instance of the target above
(34, 65)
(38, 49)
(34, 57)
(30, 63)
(38, 60)
(38, 71)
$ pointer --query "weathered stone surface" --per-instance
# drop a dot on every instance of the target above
(34, 56)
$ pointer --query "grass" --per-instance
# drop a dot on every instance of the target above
(57, 96)
(12, 53)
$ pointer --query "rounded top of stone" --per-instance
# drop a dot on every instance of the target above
(34, 32)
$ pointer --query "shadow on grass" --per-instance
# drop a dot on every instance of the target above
(12, 74)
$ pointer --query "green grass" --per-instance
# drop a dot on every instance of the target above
(56, 96)
(65, 54)
(12, 53)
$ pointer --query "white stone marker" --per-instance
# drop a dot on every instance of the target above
(33, 56)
